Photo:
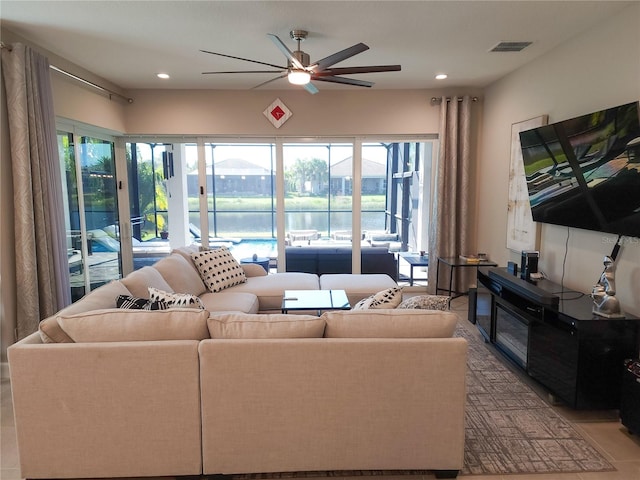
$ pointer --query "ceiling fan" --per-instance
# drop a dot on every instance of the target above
(300, 70)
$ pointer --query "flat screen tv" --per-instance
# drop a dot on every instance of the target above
(585, 172)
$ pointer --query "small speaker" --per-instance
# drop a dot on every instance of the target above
(528, 264)
(512, 268)
(473, 301)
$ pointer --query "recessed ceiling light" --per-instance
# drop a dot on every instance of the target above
(163, 75)
(441, 76)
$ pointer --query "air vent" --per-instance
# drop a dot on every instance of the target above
(510, 46)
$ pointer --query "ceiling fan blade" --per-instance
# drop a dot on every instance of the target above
(269, 81)
(355, 70)
(245, 59)
(311, 88)
(345, 81)
(338, 57)
(285, 50)
(246, 71)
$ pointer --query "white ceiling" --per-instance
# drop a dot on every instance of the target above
(128, 42)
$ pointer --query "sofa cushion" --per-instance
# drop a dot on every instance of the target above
(389, 298)
(250, 269)
(253, 270)
(173, 300)
(382, 236)
(357, 286)
(389, 324)
(226, 301)
(180, 274)
(139, 281)
(427, 302)
(127, 302)
(218, 269)
(187, 250)
(51, 331)
(102, 297)
(116, 325)
(270, 288)
(238, 325)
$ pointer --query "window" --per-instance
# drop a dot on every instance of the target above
(241, 190)
(318, 191)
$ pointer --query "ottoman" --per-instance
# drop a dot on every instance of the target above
(357, 286)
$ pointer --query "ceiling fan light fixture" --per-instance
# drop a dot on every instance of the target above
(299, 77)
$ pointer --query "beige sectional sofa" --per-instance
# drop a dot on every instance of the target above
(260, 293)
(104, 392)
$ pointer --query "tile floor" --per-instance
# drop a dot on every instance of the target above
(602, 428)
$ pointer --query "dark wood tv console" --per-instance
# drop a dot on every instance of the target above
(553, 335)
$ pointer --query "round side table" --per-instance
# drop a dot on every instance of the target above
(262, 261)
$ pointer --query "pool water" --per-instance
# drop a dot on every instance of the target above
(267, 247)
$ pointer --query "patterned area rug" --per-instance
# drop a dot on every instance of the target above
(509, 429)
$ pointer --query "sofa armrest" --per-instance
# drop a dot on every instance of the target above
(119, 409)
(253, 270)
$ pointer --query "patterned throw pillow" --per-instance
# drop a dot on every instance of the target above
(135, 303)
(175, 300)
(427, 302)
(218, 269)
(389, 298)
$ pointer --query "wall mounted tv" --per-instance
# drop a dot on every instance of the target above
(585, 172)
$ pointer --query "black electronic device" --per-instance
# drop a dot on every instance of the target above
(543, 296)
(630, 401)
(512, 268)
(528, 264)
(473, 295)
(583, 172)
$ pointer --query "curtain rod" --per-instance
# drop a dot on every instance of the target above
(438, 100)
(80, 79)
(91, 84)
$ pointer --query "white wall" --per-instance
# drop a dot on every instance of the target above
(328, 113)
(598, 69)
(72, 100)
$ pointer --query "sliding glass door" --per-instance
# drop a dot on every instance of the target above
(91, 211)
(232, 194)
(253, 197)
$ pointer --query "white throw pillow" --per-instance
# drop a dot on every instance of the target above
(389, 298)
(175, 300)
(218, 269)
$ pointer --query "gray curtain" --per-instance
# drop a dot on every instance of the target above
(448, 229)
(42, 271)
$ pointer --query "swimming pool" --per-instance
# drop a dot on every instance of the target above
(262, 247)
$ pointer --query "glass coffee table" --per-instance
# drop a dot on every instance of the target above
(319, 300)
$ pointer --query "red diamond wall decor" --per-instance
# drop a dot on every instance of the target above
(277, 113)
